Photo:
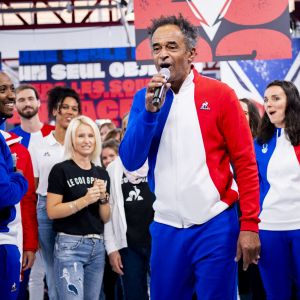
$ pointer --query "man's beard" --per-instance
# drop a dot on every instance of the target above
(29, 114)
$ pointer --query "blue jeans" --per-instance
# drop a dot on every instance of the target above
(136, 267)
(36, 280)
(47, 241)
(79, 265)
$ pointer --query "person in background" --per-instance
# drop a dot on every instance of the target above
(110, 151)
(111, 287)
(189, 138)
(114, 134)
(278, 158)
(105, 128)
(32, 131)
(13, 187)
(126, 235)
(250, 284)
(77, 200)
(28, 208)
(63, 105)
(252, 115)
(124, 124)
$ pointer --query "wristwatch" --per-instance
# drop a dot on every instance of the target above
(104, 200)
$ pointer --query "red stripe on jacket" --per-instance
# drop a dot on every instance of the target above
(226, 140)
(28, 202)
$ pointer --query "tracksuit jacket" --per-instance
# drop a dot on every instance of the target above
(28, 138)
(279, 176)
(189, 144)
(13, 186)
(28, 202)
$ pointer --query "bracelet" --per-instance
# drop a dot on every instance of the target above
(76, 206)
(104, 200)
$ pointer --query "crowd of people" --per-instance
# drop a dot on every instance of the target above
(195, 197)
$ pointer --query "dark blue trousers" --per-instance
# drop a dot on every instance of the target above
(136, 267)
(196, 259)
(9, 272)
(280, 263)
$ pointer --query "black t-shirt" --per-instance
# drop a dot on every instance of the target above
(138, 201)
(70, 181)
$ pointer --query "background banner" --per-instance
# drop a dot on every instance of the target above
(250, 78)
(105, 78)
(228, 29)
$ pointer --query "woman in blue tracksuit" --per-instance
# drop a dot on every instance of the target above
(278, 157)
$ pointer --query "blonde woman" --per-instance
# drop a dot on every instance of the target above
(77, 200)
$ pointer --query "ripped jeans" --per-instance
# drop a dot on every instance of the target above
(78, 266)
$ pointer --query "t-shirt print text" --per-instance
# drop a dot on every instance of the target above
(80, 180)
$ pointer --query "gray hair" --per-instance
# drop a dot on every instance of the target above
(189, 31)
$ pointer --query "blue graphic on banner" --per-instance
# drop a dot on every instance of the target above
(81, 64)
(76, 55)
(249, 78)
(262, 72)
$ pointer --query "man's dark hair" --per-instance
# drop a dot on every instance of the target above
(292, 113)
(254, 116)
(56, 97)
(23, 87)
(189, 31)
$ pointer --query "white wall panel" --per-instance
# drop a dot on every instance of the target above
(12, 41)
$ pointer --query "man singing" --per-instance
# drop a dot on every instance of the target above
(190, 138)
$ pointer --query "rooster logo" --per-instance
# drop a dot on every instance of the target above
(135, 195)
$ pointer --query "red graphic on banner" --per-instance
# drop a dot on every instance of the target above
(96, 102)
(228, 29)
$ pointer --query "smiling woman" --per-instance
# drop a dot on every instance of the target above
(63, 105)
(83, 142)
(77, 200)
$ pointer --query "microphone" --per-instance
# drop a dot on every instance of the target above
(14, 159)
(159, 91)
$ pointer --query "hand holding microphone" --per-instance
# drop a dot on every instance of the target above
(156, 90)
(160, 91)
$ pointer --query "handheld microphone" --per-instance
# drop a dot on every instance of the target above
(158, 92)
(14, 159)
